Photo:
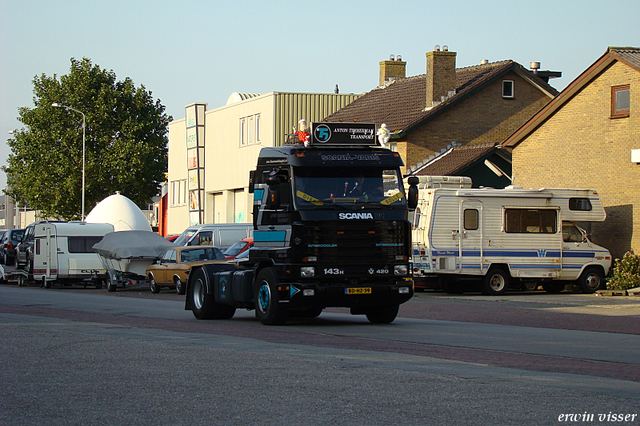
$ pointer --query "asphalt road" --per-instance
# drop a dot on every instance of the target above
(86, 356)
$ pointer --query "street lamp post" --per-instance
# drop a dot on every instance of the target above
(57, 105)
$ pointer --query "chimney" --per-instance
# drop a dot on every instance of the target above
(441, 75)
(392, 69)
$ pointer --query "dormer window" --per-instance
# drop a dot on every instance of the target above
(620, 101)
(508, 89)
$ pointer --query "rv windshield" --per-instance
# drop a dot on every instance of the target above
(331, 186)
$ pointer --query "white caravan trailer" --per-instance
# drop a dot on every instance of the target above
(63, 252)
(507, 237)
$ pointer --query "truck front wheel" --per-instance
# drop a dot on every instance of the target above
(267, 300)
(383, 315)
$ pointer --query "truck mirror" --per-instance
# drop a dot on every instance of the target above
(252, 177)
(273, 195)
(412, 197)
(273, 182)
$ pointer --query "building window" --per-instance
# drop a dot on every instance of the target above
(243, 131)
(620, 101)
(250, 130)
(508, 89)
(179, 192)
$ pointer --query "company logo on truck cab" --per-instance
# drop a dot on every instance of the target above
(355, 216)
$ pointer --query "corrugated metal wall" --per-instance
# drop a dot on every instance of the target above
(291, 107)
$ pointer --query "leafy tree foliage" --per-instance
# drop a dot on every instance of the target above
(125, 143)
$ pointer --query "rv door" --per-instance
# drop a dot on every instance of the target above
(576, 250)
(470, 254)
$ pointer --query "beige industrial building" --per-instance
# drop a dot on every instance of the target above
(212, 151)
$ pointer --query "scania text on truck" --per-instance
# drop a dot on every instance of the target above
(330, 229)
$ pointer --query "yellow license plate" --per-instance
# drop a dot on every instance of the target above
(358, 290)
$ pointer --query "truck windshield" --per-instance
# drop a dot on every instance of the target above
(328, 186)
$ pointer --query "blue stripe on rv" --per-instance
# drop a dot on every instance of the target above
(504, 253)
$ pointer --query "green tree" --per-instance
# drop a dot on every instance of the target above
(125, 143)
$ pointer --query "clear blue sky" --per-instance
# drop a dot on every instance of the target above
(202, 51)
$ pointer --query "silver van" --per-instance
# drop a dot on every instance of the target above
(221, 235)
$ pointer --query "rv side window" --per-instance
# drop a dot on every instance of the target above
(82, 244)
(581, 204)
(471, 219)
(531, 221)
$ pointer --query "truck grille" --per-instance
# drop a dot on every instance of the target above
(355, 242)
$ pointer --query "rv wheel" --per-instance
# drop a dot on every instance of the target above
(591, 280)
(553, 287)
(451, 285)
(495, 283)
(267, 300)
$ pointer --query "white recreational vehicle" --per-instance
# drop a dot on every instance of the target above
(63, 252)
(503, 238)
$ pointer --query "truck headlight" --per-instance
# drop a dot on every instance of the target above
(307, 272)
(400, 269)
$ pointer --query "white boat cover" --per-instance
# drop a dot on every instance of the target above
(132, 245)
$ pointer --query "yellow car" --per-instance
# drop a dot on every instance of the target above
(172, 269)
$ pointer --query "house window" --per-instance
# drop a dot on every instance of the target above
(620, 101)
(507, 89)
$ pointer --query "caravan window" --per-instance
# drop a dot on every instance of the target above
(471, 219)
(82, 244)
(531, 221)
(581, 204)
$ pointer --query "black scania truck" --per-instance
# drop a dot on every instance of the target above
(330, 229)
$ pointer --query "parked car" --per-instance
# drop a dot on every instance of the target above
(220, 235)
(238, 247)
(24, 250)
(172, 270)
(8, 244)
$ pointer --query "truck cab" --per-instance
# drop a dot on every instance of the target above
(330, 228)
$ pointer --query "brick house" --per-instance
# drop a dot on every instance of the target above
(481, 104)
(584, 138)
